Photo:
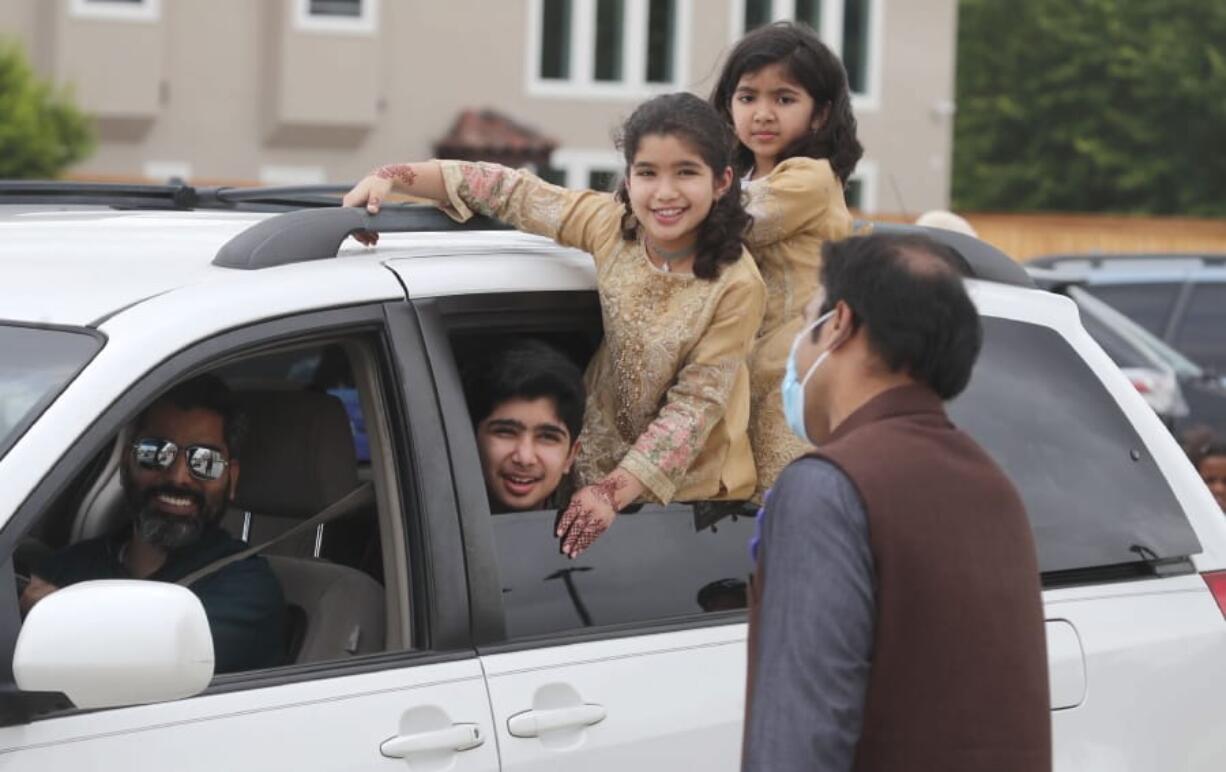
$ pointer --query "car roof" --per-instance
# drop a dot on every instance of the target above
(79, 265)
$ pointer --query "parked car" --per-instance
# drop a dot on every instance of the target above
(1182, 392)
(432, 632)
(1180, 298)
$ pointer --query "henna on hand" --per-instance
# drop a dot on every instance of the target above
(607, 490)
(401, 174)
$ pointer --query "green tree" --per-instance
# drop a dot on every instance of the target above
(1091, 105)
(41, 132)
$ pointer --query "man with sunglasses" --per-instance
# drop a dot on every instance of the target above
(179, 473)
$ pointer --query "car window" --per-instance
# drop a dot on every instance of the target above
(35, 365)
(1093, 494)
(1121, 351)
(317, 596)
(656, 563)
(1148, 304)
(1202, 330)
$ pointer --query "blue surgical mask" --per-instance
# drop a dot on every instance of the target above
(793, 390)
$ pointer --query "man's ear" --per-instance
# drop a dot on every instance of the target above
(234, 470)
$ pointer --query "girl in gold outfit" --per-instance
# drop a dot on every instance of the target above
(668, 405)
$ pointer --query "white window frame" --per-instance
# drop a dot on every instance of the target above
(159, 172)
(367, 23)
(144, 11)
(867, 173)
(580, 163)
(291, 175)
(582, 81)
(832, 35)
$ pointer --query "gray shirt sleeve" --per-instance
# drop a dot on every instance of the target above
(815, 624)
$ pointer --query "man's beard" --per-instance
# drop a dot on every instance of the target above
(165, 531)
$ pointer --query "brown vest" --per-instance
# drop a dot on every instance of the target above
(958, 681)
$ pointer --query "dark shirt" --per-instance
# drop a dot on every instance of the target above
(815, 624)
(243, 600)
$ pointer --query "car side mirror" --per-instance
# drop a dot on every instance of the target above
(116, 642)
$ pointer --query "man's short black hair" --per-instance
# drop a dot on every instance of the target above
(908, 293)
(207, 392)
(526, 369)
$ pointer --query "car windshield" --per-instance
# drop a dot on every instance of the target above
(36, 363)
(1135, 333)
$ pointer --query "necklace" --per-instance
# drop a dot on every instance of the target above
(670, 256)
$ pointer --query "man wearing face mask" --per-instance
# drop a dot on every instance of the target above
(897, 621)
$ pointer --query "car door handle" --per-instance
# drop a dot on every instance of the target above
(532, 723)
(460, 737)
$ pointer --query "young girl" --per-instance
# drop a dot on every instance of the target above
(786, 96)
(668, 389)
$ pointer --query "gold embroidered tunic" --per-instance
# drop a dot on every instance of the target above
(795, 208)
(668, 388)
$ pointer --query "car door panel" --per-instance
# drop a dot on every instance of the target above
(336, 723)
(668, 701)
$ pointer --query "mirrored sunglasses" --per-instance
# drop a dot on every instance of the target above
(203, 462)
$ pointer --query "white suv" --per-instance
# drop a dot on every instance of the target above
(426, 630)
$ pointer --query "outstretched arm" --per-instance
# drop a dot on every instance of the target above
(574, 218)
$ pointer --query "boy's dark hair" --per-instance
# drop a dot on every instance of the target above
(908, 293)
(526, 369)
(696, 123)
(207, 392)
(815, 67)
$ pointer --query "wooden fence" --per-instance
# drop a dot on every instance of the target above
(1024, 236)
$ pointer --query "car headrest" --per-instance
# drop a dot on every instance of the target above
(299, 455)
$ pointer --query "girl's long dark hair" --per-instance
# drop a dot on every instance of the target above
(699, 126)
(815, 67)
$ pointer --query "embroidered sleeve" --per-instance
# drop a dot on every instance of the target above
(800, 193)
(584, 219)
(699, 396)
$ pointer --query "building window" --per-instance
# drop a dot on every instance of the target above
(591, 169)
(861, 191)
(610, 37)
(359, 17)
(661, 37)
(555, 39)
(607, 48)
(851, 28)
(120, 10)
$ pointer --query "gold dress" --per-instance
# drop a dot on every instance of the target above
(795, 208)
(668, 389)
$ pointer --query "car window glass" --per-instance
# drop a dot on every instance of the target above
(1123, 353)
(1149, 304)
(1093, 494)
(656, 563)
(35, 364)
(317, 596)
(1202, 330)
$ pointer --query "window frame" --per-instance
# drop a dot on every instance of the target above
(578, 164)
(867, 173)
(581, 82)
(435, 602)
(140, 11)
(531, 311)
(832, 19)
(365, 24)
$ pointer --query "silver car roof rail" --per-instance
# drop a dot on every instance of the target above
(317, 234)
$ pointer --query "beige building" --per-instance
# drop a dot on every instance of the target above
(307, 91)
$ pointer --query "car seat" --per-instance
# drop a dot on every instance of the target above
(299, 458)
